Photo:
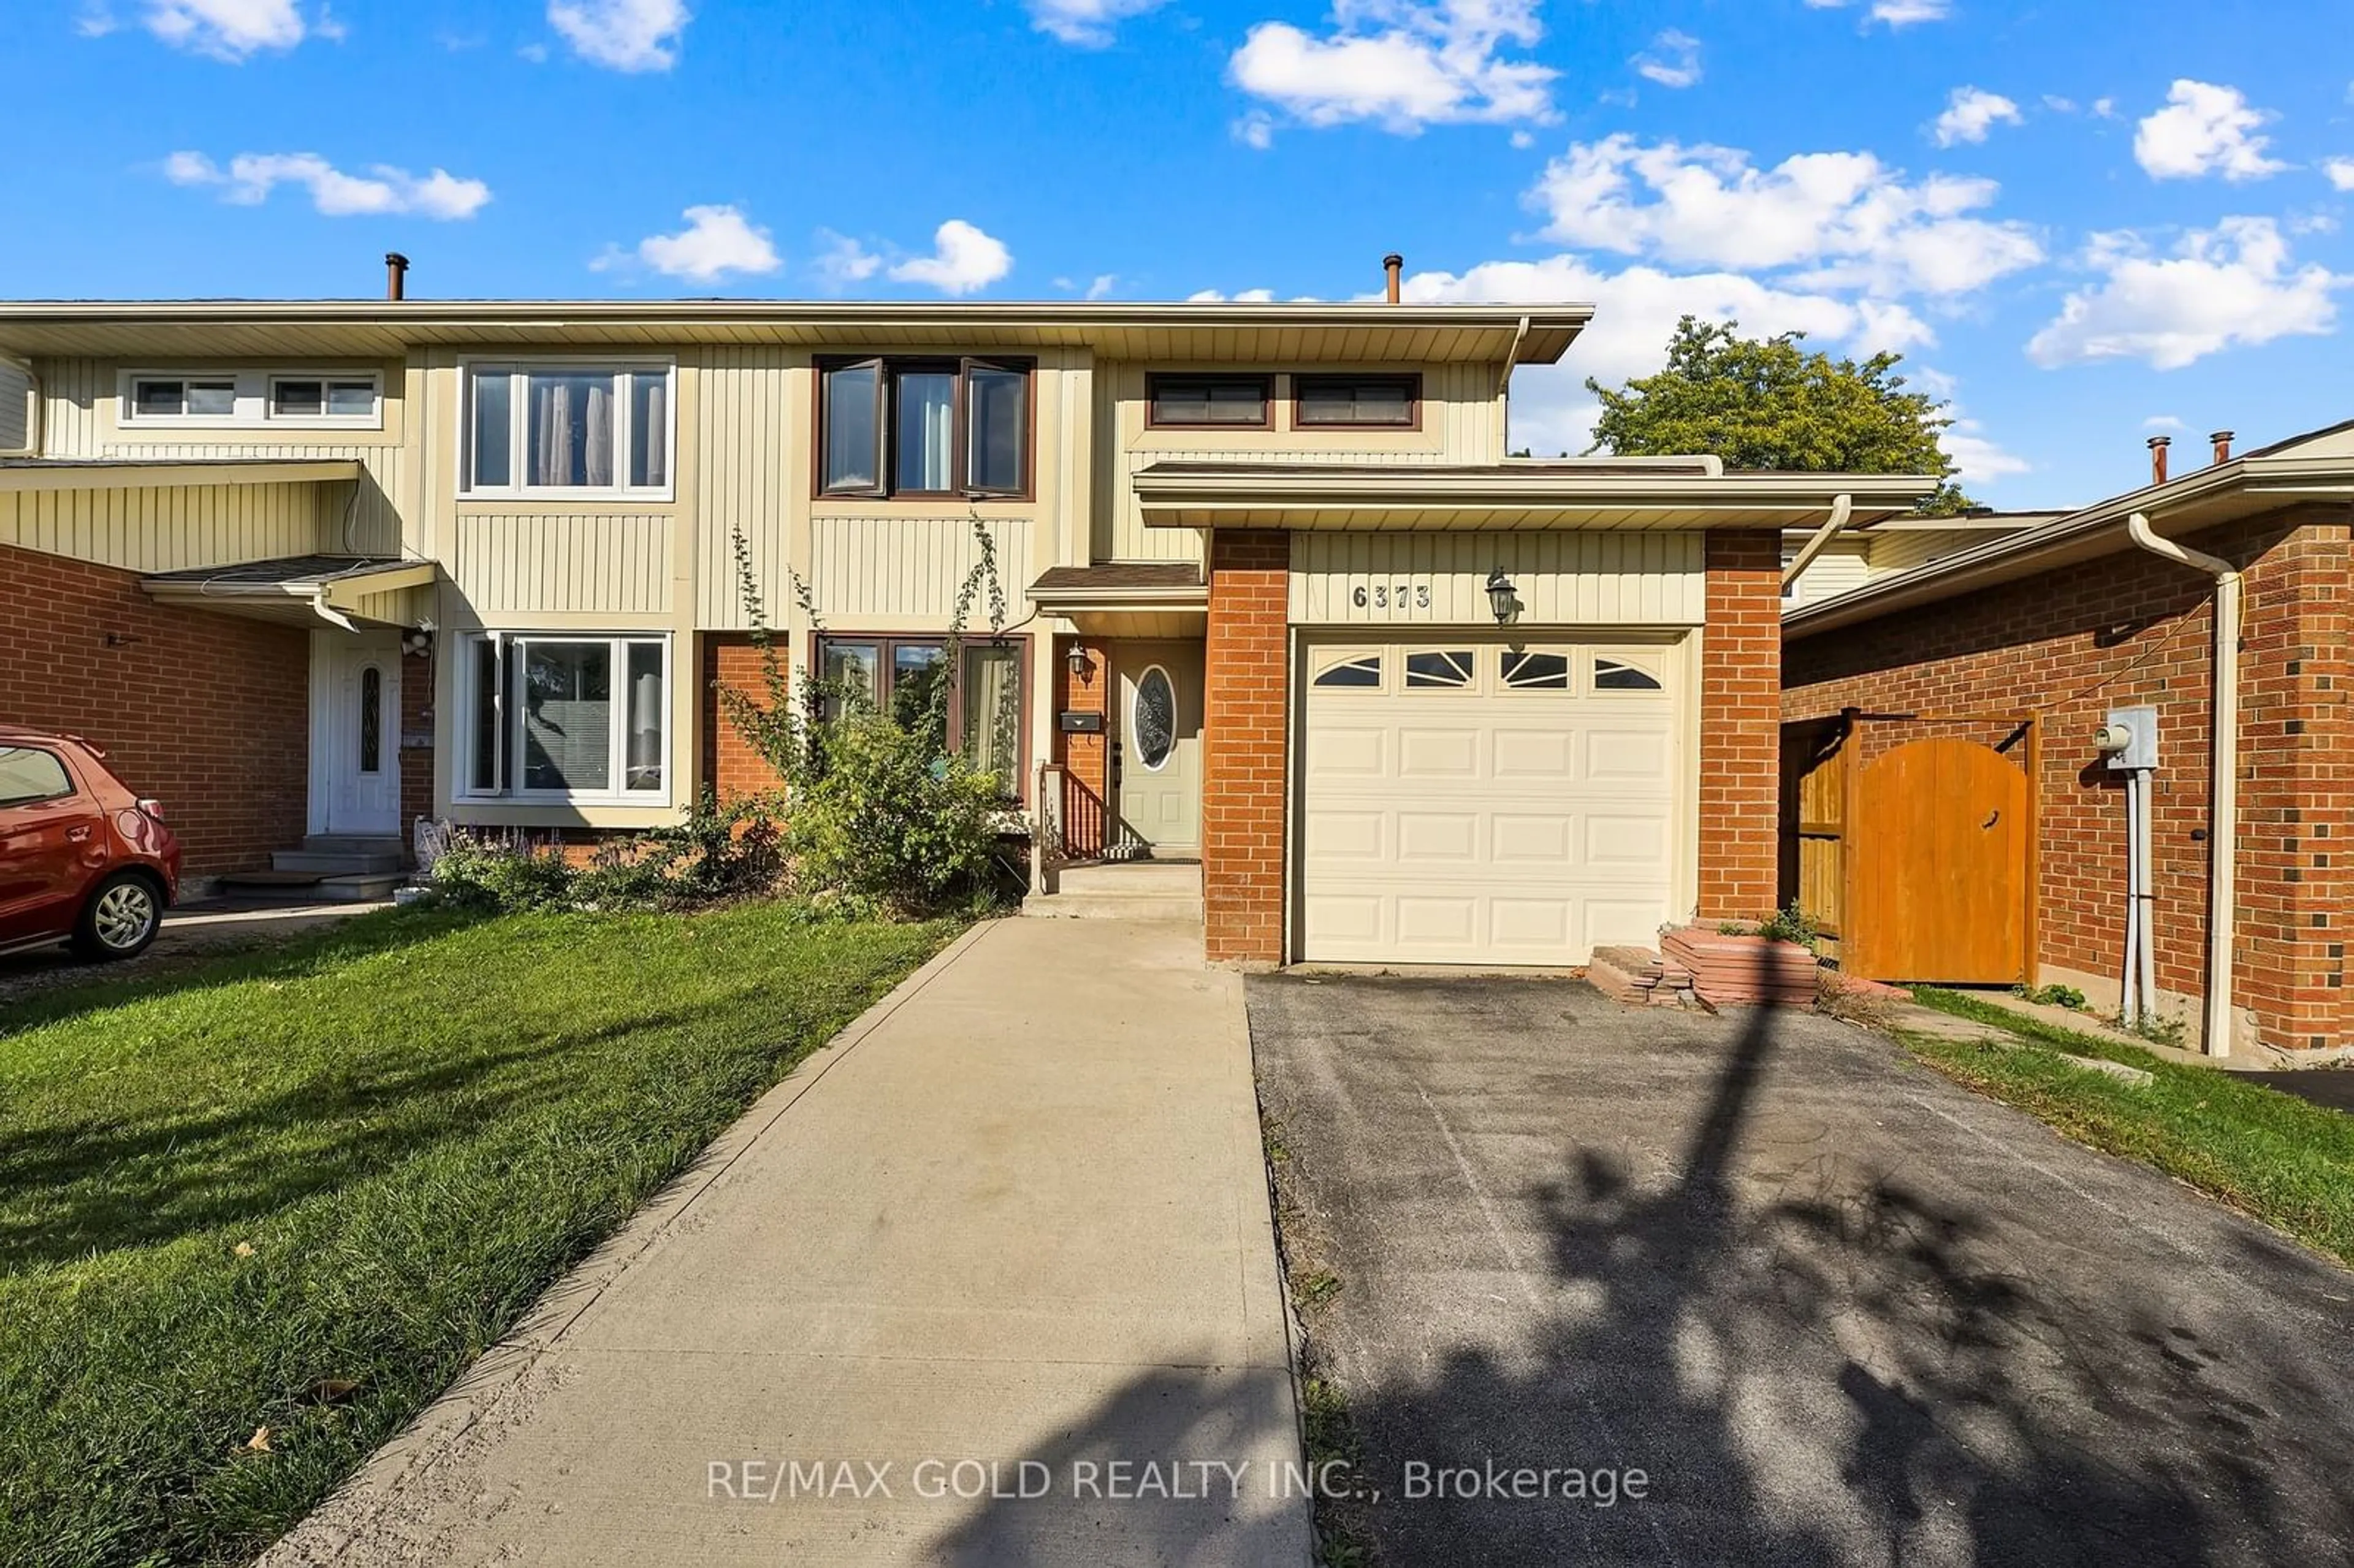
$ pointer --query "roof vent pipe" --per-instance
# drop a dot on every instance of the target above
(1393, 264)
(2223, 440)
(2157, 445)
(396, 275)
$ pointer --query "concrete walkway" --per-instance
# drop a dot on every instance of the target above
(1009, 1234)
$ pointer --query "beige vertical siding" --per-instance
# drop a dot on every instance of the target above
(1462, 422)
(16, 414)
(751, 445)
(1843, 565)
(907, 572)
(561, 563)
(1902, 552)
(1561, 578)
(173, 528)
(77, 402)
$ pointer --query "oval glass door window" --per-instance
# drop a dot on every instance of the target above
(1153, 725)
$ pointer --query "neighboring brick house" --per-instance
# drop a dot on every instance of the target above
(1277, 602)
(2070, 620)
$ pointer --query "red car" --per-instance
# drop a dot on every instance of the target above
(82, 859)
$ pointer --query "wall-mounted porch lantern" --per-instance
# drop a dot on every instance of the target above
(1501, 597)
(1077, 661)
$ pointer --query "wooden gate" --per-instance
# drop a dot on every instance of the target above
(1919, 854)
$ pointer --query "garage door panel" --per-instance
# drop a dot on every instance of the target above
(1452, 752)
(1450, 837)
(1486, 822)
(1348, 835)
(1535, 754)
(1526, 839)
(1425, 920)
(1344, 751)
(1614, 755)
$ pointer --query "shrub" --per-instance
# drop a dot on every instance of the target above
(716, 855)
(882, 817)
(1791, 924)
(2066, 996)
(501, 872)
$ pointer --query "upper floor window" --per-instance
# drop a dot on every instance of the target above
(924, 427)
(1394, 401)
(570, 428)
(1225, 402)
(349, 399)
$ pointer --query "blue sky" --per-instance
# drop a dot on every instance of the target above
(2083, 224)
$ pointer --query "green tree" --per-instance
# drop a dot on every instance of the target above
(1766, 403)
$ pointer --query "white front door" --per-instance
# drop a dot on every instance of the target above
(356, 732)
(1157, 749)
(1481, 800)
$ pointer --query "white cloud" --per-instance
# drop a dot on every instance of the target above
(1636, 313)
(2163, 423)
(2340, 172)
(1247, 297)
(382, 191)
(1402, 64)
(963, 259)
(225, 30)
(1672, 60)
(95, 20)
(1970, 113)
(2230, 286)
(842, 261)
(1848, 218)
(718, 242)
(2204, 129)
(1103, 283)
(1896, 13)
(1977, 458)
(1087, 23)
(625, 34)
(2105, 108)
(1255, 130)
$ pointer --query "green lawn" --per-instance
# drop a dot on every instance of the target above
(414, 1122)
(2286, 1161)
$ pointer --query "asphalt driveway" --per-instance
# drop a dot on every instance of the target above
(1836, 1309)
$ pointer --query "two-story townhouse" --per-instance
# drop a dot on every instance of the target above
(1280, 603)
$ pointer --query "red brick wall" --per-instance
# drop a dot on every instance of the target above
(2129, 630)
(207, 713)
(417, 677)
(1242, 767)
(1087, 813)
(1739, 726)
(730, 766)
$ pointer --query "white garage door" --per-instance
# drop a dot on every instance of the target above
(1474, 802)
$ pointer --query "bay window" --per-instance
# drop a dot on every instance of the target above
(920, 428)
(973, 708)
(564, 717)
(568, 429)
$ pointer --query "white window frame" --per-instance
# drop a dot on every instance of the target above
(517, 370)
(254, 393)
(509, 644)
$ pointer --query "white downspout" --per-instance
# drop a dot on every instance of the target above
(1843, 508)
(2223, 786)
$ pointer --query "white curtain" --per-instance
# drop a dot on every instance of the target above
(650, 430)
(993, 713)
(572, 430)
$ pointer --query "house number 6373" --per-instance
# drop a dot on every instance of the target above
(1382, 596)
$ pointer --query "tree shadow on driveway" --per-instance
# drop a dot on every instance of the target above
(1759, 1285)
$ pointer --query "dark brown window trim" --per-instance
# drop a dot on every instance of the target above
(1154, 380)
(886, 640)
(891, 364)
(1410, 379)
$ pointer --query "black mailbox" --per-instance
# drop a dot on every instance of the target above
(1082, 724)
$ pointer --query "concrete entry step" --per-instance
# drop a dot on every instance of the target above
(335, 862)
(357, 887)
(1123, 890)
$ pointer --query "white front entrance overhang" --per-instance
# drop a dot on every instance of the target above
(342, 591)
(1672, 494)
(29, 476)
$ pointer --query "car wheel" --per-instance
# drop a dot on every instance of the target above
(121, 919)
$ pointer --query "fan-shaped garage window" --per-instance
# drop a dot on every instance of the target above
(1444, 668)
(1525, 671)
(1365, 672)
(1609, 676)
(1153, 725)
